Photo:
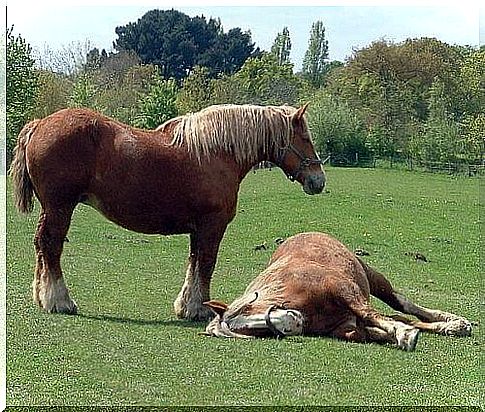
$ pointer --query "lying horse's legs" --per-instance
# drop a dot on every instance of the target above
(49, 289)
(355, 331)
(196, 289)
(380, 328)
(453, 327)
(449, 323)
(375, 326)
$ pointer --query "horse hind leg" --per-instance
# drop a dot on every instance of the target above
(376, 326)
(381, 328)
(39, 262)
(49, 289)
(453, 327)
(446, 323)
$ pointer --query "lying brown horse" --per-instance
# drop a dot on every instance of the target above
(314, 285)
(183, 177)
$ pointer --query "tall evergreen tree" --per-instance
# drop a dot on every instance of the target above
(316, 56)
(282, 47)
(176, 43)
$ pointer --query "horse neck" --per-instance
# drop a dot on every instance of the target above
(246, 167)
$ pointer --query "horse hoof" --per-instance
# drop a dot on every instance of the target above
(69, 308)
(196, 315)
(407, 338)
(458, 327)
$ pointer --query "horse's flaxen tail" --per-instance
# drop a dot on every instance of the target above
(23, 190)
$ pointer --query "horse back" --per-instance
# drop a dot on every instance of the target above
(67, 148)
(134, 177)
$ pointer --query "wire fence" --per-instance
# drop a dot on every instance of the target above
(463, 168)
(452, 168)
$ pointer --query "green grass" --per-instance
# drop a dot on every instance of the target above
(126, 347)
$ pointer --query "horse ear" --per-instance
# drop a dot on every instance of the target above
(216, 306)
(300, 112)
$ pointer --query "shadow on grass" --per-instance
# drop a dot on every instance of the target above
(144, 322)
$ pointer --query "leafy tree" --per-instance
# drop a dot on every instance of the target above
(282, 47)
(316, 56)
(262, 80)
(336, 129)
(176, 43)
(228, 53)
(390, 84)
(21, 86)
(230, 90)
(84, 93)
(119, 94)
(113, 69)
(95, 59)
(196, 91)
(54, 93)
(158, 105)
(440, 141)
(472, 81)
(473, 138)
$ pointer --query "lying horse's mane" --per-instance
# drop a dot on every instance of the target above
(262, 293)
(243, 131)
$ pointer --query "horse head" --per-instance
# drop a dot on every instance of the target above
(244, 319)
(298, 159)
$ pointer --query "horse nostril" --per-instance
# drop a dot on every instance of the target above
(317, 184)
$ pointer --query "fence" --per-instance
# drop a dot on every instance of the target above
(452, 168)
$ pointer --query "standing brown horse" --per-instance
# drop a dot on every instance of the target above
(183, 177)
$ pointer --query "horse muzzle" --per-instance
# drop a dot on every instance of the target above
(314, 184)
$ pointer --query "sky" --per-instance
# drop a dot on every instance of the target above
(349, 26)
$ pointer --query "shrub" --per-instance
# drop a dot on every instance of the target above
(336, 129)
(158, 105)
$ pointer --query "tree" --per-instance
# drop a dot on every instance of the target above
(158, 105)
(176, 43)
(473, 121)
(472, 81)
(196, 91)
(22, 87)
(316, 56)
(120, 93)
(228, 53)
(84, 92)
(95, 59)
(262, 80)
(440, 140)
(54, 92)
(282, 47)
(390, 85)
(69, 59)
(336, 129)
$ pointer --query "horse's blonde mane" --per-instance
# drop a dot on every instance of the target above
(265, 290)
(243, 131)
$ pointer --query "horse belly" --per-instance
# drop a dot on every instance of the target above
(143, 217)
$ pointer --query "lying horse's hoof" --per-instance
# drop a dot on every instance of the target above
(407, 338)
(195, 314)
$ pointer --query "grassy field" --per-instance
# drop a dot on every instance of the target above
(127, 348)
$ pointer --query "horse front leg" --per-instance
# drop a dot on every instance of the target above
(204, 246)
